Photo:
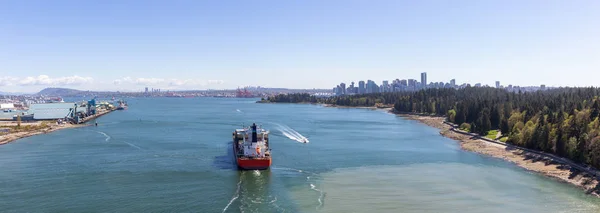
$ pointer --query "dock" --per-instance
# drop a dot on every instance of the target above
(92, 110)
(94, 116)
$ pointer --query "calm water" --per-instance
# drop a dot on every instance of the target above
(174, 155)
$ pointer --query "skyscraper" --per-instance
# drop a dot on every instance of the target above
(403, 82)
(424, 79)
(361, 87)
(453, 83)
(497, 84)
(343, 88)
(384, 86)
(412, 83)
(372, 87)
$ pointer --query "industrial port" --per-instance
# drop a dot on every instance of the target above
(18, 120)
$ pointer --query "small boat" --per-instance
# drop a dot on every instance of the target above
(251, 148)
(122, 105)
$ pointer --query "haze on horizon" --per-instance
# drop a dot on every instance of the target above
(129, 45)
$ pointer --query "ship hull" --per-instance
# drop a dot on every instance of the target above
(251, 163)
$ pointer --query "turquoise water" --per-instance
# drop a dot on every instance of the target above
(174, 155)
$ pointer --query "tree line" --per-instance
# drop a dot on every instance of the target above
(562, 121)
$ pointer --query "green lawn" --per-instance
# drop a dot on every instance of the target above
(504, 139)
(492, 134)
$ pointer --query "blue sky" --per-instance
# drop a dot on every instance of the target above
(127, 45)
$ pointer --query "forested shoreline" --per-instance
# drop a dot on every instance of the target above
(562, 121)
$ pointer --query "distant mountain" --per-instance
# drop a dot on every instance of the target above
(59, 92)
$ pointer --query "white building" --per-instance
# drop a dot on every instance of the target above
(7, 106)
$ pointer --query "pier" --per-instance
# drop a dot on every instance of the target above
(94, 116)
(92, 110)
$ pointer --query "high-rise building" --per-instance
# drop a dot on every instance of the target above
(424, 79)
(453, 82)
(412, 83)
(385, 86)
(497, 84)
(343, 88)
(146, 91)
(361, 87)
(403, 82)
(478, 85)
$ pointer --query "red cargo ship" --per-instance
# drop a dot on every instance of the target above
(251, 148)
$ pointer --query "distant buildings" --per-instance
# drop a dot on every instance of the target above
(399, 85)
(424, 79)
(351, 89)
(385, 86)
(404, 83)
(412, 83)
(361, 87)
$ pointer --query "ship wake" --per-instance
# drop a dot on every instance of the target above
(235, 196)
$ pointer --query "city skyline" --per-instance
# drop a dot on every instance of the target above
(313, 44)
(404, 84)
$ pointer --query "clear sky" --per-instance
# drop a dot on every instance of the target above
(130, 44)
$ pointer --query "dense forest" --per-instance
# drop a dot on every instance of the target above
(560, 121)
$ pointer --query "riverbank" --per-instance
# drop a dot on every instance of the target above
(546, 164)
(40, 127)
(13, 136)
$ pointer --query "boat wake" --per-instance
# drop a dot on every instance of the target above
(132, 145)
(291, 133)
(238, 110)
(105, 135)
(235, 196)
